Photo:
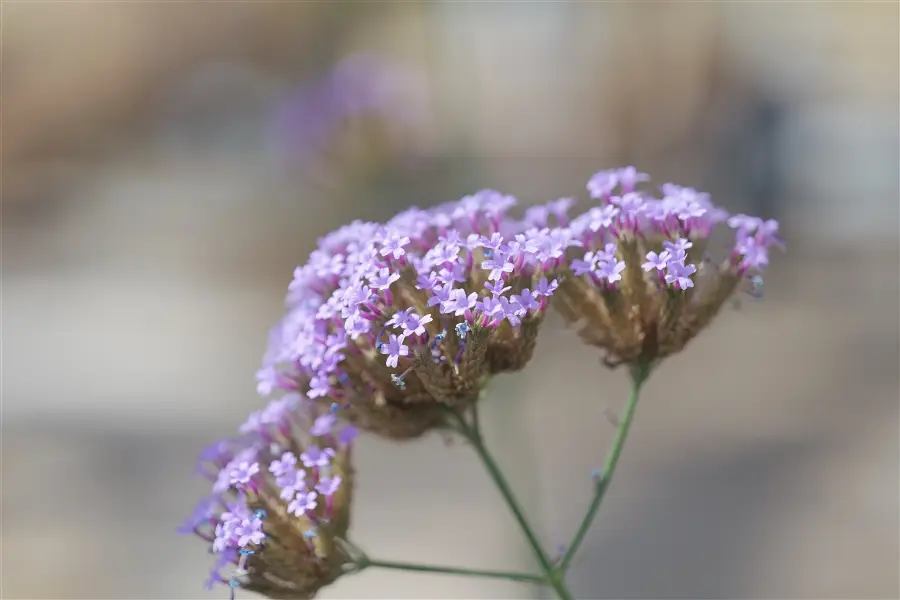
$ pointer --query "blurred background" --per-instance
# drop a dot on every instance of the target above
(166, 165)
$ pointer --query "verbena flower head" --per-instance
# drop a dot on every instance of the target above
(398, 322)
(641, 284)
(280, 498)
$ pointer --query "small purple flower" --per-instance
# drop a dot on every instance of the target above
(455, 274)
(226, 557)
(602, 217)
(490, 306)
(607, 254)
(329, 485)
(243, 472)
(235, 513)
(494, 243)
(767, 234)
(755, 255)
(303, 503)
(611, 270)
(291, 483)
(393, 246)
(497, 288)
(253, 423)
(629, 177)
(545, 289)
(678, 247)
(249, 532)
(395, 348)
(399, 318)
(316, 457)
(656, 261)
(744, 223)
(347, 435)
(414, 324)
(526, 302)
(537, 216)
(203, 512)
(426, 282)
(679, 274)
(458, 303)
(584, 266)
(498, 265)
(284, 465)
(319, 387)
(323, 425)
(223, 538)
(510, 311)
(441, 294)
(383, 279)
(560, 209)
(602, 184)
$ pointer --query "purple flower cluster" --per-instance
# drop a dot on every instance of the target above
(392, 325)
(271, 469)
(389, 318)
(631, 289)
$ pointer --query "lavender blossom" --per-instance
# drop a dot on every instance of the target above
(238, 517)
(366, 313)
(637, 287)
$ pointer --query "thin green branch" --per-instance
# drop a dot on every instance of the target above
(638, 376)
(419, 568)
(552, 578)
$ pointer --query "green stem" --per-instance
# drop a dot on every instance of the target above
(552, 577)
(638, 376)
(404, 566)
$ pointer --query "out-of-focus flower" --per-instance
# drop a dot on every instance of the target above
(639, 286)
(401, 321)
(263, 507)
(311, 120)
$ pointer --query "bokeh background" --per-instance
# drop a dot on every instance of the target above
(166, 165)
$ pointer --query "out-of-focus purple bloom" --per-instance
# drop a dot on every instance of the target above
(317, 457)
(327, 486)
(323, 425)
(543, 288)
(347, 434)
(205, 510)
(285, 464)
(242, 473)
(302, 503)
(310, 119)
(586, 265)
(629, 177)
(526, 302)
(602, 183)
